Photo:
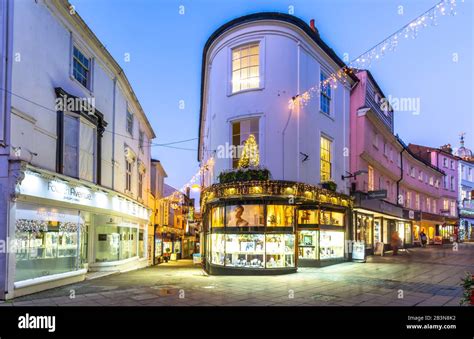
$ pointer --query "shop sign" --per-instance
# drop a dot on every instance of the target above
(378, 250)
(358, 251)
(37, 186)
(380, 194)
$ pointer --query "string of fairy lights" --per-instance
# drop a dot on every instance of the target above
(377, 52)
(364, 61)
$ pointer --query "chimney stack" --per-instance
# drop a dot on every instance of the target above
(313, 27)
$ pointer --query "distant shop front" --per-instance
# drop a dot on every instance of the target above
(62, 228)
(375, 221)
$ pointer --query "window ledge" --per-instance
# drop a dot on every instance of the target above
(327, 115)
(246, 91)
(85, 89)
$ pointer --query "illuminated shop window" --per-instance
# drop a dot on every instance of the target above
(218, 249)
(245, 250)
(308, 217)
(279, 215)
(217, 217)
(280, 250)
(308, 244)
(325, 150)
(331, 245)
(331, 218)
(244, 215)
(245, 67)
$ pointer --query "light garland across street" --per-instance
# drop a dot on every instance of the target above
(364, 61)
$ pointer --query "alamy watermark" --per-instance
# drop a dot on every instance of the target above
(401, 104)
(70, 104)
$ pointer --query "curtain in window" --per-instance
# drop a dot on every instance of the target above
(86, 155)
(71, 149)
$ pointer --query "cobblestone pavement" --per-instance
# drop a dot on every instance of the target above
(419, 277)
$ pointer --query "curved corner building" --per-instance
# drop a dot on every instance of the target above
(254, 67)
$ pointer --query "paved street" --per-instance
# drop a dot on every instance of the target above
(421, 277)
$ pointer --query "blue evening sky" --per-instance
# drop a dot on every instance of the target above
(166, 49)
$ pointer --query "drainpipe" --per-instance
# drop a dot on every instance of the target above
(113, 133)
(401, 176)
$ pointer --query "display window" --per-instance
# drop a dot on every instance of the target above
(377, 231)
(280, 215)
(141, 243)
(217, 216)
(364, 229)
(47, 241)
(308, 217)
(167, 246)
(158, 248)
(401, 232)
(331, 245)
(331, 218)
(308, 244)
(177, 246)
(245, 215)
(217, 249)
(408, 238)
(416, 233)
(280, 250)
(245, 250)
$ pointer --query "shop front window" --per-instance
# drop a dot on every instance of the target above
(217, 246)
(308, 244)
(245, 250)
(331, 245)
(279, 215)
(408, 233)
(364, 229)
(48, 241)
(331, 218)
(244, 216)
(217, 217)
(280, 250)
(308, 217)
(115, 239)
(377, 231)
(158, 248)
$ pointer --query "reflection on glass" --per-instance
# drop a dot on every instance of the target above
(217, 217)
(308, 217)
(279, 215)
(308, 245)
(331, 245)
(244, 215)
(408, 239)
(377, 231)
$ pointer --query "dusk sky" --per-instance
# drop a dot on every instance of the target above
(166, 49)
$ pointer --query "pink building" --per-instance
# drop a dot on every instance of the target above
(395, 189)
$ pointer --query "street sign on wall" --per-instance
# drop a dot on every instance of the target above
(380, 194)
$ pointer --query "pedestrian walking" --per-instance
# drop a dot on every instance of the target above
(395, 242)
(423, 238)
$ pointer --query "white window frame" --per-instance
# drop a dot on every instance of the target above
(261, 129)
(260, 40)
(129, 112)
(330, 96)
(88, 54)
(128, 175)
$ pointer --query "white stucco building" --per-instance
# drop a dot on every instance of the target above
(74, 155)
(252, 67)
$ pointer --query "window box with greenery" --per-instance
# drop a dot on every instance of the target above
(244, 174)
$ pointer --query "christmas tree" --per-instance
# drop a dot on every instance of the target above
(250, 155)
